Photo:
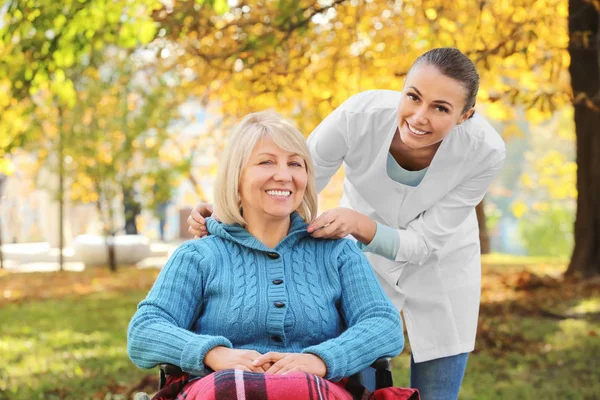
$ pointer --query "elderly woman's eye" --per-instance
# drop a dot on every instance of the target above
(296, 164)
(265, 162)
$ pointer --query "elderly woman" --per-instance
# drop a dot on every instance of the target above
(260, 300)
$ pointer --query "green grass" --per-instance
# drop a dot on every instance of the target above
(72, 348)
(75, 348)
(563, 362)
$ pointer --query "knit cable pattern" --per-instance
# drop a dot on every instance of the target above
(238, 290)
(305, 277)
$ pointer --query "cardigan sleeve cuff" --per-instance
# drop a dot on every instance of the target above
(334, 357)
(194, 351)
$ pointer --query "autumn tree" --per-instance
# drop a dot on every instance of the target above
(115, 133)
(585, 79)
(304, 58)
(45, 47)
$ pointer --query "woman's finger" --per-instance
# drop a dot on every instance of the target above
(204, 209)
(288, 368)
(197, 216)
(270, 357)
(321, 221)
(257, 369)
(265, 367)
(192, 223)
(197, 233)
(328, 231)
(247, 364)
(275, 368)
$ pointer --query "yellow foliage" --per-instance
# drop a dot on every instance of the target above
(512, 130)
(549, 179)
(519, 46)
(306, 63)
(498, 111)
(519, 208)
(431, 13)
(526, 180)
(6, 167)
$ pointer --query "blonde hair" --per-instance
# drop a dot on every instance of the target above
(251, 129)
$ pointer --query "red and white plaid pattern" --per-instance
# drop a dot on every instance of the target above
(240, 385)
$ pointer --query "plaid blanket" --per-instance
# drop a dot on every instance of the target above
(240, 385)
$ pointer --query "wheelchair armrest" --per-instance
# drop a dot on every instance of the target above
(383, 373)
(170, 369)
(382, 363)
(167, 369)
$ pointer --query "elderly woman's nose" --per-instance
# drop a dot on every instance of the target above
(283, 173)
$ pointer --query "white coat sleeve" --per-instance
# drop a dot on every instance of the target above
(328, 145)
(431, 229)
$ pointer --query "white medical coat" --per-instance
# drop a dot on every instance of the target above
(436, 276)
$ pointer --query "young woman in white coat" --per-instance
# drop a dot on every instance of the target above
(416, 163)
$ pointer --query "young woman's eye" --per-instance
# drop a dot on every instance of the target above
(412, 96)
(441, 109)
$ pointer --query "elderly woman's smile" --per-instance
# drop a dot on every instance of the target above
(279, 193)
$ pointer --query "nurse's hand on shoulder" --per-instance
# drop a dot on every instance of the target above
(341, 222)
(196, 220)
(282, 363)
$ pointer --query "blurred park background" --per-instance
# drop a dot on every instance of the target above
(113, 114)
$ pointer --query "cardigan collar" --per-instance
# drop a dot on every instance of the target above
(239, 234)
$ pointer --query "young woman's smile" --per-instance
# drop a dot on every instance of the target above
(417, 132)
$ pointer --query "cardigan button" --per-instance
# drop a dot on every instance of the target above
(279, 304)
(273, 255)
(277, 339)
(277, 281)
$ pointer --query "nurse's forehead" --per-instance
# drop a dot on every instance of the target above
(430, 82)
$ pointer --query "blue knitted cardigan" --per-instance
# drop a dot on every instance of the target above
(304, 296)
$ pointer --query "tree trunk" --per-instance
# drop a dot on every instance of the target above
(110, 245)
(2, 180)
(109, 231)
(61, 190)
(132, 209)
(585, 74)
(484, 237)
